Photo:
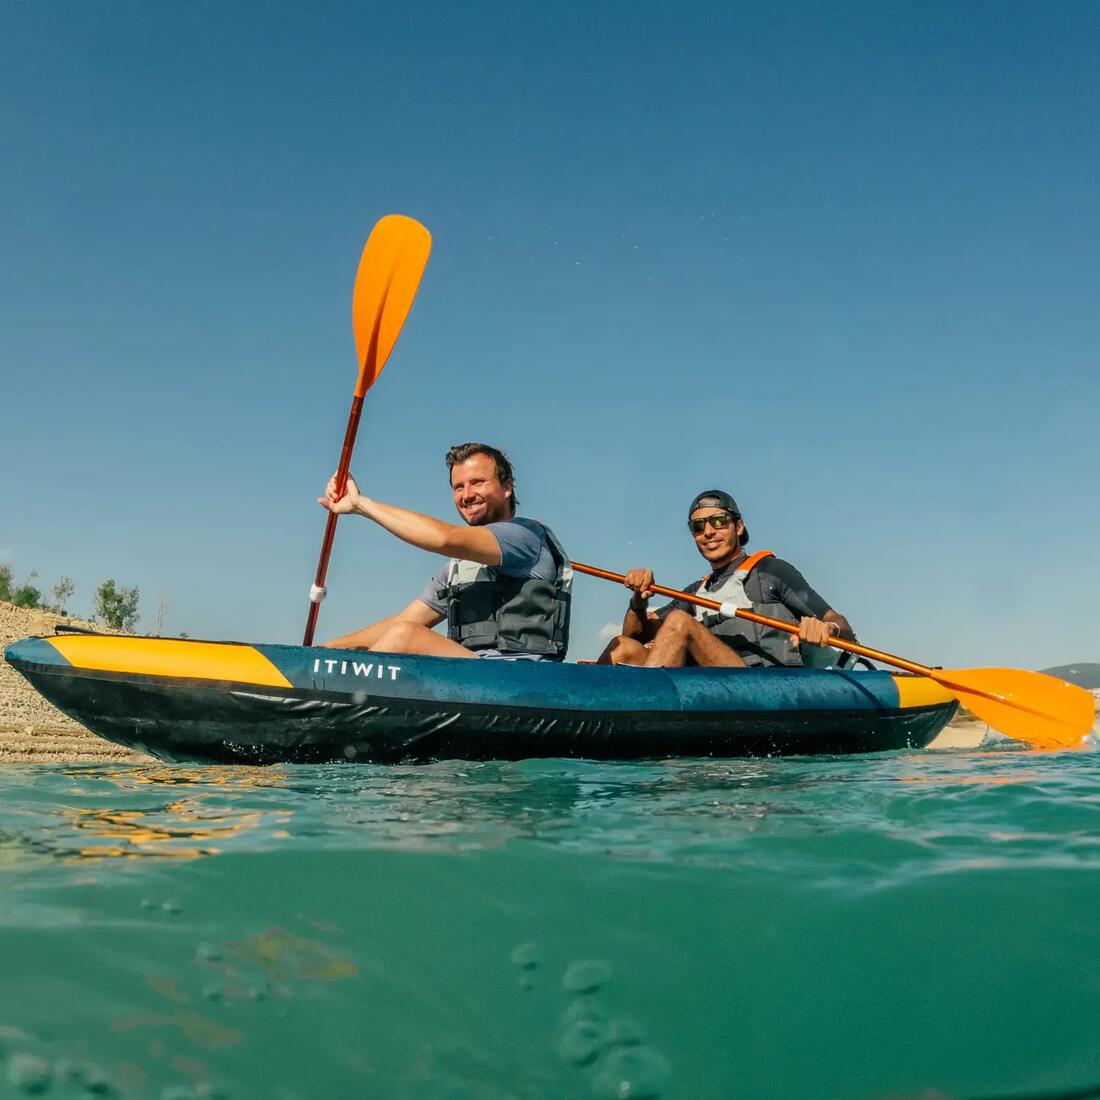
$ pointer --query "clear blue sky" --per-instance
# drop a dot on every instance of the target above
(839, 259)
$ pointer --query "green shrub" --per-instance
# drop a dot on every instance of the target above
(26, 595)
(61, 593)
(116, 606)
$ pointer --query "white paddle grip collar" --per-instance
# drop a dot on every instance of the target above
(729, 610)
(316, 595)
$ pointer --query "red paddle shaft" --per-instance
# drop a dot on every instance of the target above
(317, 593)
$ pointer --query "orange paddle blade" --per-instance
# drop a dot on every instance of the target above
(1028, 706)
(390, 268)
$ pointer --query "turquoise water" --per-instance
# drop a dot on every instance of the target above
(895, 925)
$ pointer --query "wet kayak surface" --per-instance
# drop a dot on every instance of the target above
(805, 927)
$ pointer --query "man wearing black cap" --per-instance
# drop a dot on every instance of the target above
(680, 633)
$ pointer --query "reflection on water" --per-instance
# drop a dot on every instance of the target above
(552, 930)
(672, 810)
(187, 826)
(138, 834)
(455, 806)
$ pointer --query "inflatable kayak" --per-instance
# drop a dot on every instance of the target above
(259, 704)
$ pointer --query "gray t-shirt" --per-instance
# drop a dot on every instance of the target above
(524, 552)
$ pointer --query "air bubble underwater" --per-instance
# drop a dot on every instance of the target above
(631, 1073)
(29, 1073)
(611, 1050)
(586, 976)
(526, 956)
(583, 1042)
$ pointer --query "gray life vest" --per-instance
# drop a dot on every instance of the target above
(756, 644)
(488, 610)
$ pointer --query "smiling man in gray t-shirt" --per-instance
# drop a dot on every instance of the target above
(505, 592)
(525, 551)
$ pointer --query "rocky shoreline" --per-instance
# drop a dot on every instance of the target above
(33, 731)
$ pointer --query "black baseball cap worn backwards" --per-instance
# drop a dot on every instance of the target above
(715, 498)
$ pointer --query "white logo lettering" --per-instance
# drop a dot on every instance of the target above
(358, 668)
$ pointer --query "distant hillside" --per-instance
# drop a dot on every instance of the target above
(1086, 675)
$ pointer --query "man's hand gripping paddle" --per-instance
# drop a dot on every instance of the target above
(1041, 710)
(390, 268)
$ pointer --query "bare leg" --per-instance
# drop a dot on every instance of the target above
(364, 638)
(405, 637)
(682, 635)
(623, 651)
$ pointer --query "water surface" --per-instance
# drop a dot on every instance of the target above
(837, 928)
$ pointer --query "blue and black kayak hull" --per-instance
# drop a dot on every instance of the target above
(261, 704)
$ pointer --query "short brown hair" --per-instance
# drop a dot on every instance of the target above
(505, 474)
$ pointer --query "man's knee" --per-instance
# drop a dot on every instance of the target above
(678, 623)
(625, 651)
(398, 636)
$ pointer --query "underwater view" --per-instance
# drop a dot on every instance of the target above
(897, 925)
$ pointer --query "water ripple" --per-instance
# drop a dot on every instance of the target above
(552, 930)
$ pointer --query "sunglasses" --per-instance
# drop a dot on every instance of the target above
(722, 519)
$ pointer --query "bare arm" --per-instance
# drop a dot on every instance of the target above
(634, 621)
(641, 625)
(452, 540)
(639, 622)
(846, 631)
(819, 622)
(820, 631)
